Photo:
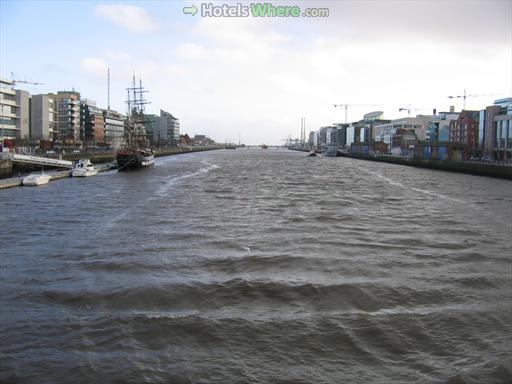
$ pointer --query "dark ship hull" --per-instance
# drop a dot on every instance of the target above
(131, 159)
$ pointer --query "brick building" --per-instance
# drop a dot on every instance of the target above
(465, 130)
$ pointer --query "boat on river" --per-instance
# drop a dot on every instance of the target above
(84, 168)
(36, 178)
(136, 153)
(330, 151)
(135, 158)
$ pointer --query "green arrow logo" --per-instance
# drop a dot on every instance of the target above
(190, 10)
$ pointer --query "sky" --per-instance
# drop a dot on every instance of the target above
(253, 79)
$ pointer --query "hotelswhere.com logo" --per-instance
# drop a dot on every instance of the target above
(254, 10)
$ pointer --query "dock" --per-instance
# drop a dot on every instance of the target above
(18, 181)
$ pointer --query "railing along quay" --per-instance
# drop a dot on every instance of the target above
(28, 159)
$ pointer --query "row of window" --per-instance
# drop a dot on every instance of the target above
(7, 121)
(7, 96)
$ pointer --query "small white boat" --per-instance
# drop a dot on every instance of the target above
(84, 168)
(36, 178)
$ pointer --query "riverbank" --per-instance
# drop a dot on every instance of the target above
(57, 175)
(472, 168)
(106, 157)
(18, 181)
(9, 168)
(103, 162)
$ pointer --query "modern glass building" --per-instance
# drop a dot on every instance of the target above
(495, 130)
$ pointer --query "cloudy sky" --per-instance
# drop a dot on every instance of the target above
(255, 78)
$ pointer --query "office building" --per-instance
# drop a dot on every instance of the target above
(168, 128)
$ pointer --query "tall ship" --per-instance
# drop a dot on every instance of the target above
(136, 153)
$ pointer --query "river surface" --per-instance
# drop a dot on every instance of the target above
(258, 266)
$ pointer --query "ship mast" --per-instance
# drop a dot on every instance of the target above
(135, 132)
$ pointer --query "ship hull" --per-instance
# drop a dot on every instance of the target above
(128, 160)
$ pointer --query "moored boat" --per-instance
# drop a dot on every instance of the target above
(134, 158)
(36, 178)
(331, 151)
(84, 168)
(135, 154)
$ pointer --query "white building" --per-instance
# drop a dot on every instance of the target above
(9, 111)
(114, 128)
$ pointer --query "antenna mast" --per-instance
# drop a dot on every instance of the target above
(108, 88)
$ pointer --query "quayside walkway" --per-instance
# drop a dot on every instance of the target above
(37, 160)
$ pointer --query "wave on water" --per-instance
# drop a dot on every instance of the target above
(345, 297)
(421, 190)
(168, 183)
(255, 266)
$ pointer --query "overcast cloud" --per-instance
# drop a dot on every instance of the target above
(256, 77)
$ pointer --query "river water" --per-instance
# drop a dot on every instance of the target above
(258, 266)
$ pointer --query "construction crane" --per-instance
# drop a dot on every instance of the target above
(464, 96)
(25, 81)
(353, 105)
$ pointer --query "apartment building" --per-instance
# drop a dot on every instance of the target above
(43, 124)
(9, 110)
(67, 104)
(92, 124)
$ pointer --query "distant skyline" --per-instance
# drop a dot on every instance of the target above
(255, 78)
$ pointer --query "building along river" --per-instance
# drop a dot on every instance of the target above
(258, 266)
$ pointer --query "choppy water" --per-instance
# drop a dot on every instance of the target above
(260, 267)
